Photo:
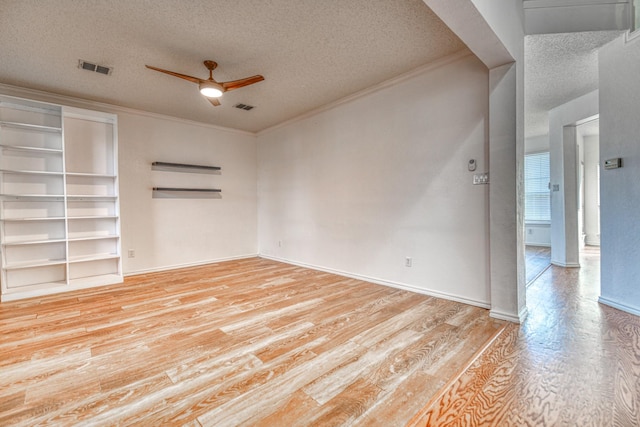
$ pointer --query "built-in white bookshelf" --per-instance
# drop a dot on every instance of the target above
(59, 211)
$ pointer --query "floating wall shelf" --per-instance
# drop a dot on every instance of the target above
(186, 192)
(197, 190)
(183, 167)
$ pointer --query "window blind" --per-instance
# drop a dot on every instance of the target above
(537, 202)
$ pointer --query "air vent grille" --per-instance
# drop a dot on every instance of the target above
(85, 65)
(244, 107)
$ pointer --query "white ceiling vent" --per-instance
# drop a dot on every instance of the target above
(244, 107)
(85, 65)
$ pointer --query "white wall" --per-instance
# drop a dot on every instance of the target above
(537, 234)
(536, 144)
(508, 275)
(181, 231)
(360, 187)
(592, 184)
(620, 188)
(493, 31)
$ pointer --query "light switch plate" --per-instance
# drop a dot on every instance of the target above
(480, 178)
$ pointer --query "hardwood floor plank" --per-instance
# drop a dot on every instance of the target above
(347, 406)
(399, 403)
(333, 324)
(360, 364)
(237, 386)
(106, 408)
(12, 400)
(229, 343)
(292, 411)
(264, 398)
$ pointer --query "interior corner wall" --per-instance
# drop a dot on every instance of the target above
(361, 187)
(620, 188)
(173, 232)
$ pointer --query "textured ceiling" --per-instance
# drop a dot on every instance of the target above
(310, 52)
(559, 68)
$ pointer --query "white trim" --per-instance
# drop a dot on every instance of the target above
(567, 265)
(60, 290)
(592, 240)
(540, 245)
(588, 120)
(387, 83)
(187, 265)
(383, 282)
(53, 98)
(95, 116)
(520, 318)
(620, 306)
(535, 222)
(630, 36)
(535, 4)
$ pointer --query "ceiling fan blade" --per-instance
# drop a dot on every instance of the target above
(214, 101)
(172, 73)
(235, 84)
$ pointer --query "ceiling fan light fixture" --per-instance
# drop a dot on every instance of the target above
(211, 89)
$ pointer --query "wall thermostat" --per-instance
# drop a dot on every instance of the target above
(613, 163)
(472, 165)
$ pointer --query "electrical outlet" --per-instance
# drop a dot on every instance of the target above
(279, 243)
(407, 262)
(131, 253)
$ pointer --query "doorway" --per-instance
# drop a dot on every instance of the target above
(588, 158)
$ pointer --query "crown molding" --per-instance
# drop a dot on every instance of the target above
(70, 101)
(376, 88)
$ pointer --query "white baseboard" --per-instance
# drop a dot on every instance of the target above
(620, 306)
(391, 284)
(519, 318)
(592, 241)
(193, 264)
(97, 282)
(567, 264)
(542, 245)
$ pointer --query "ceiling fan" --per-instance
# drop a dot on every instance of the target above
(209, 87)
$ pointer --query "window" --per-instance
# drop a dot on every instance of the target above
(537, 200)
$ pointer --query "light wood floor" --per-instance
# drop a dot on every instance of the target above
(250, 342)
(537, 260)
(573, 362)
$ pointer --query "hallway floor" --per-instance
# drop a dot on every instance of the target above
(573, 362)
(537, 259)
